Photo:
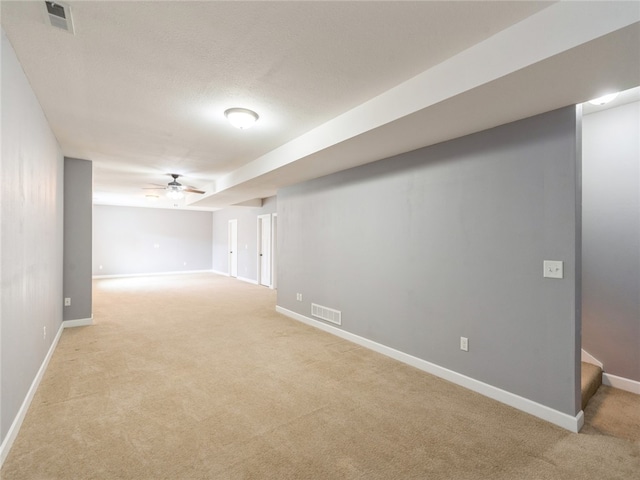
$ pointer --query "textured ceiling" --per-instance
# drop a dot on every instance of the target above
(141, 87)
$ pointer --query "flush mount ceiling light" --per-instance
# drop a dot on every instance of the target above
(604, 99)
(241, 118)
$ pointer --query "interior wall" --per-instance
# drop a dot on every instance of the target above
(78, 208)
(134, 240)
(31, 219)
(247, 237)
(449, 241)
(611, 239)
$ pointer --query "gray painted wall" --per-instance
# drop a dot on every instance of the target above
(31, 219)
(448, 241)
(611, 239)
(78, 207)
(247, 237)
(132, 240)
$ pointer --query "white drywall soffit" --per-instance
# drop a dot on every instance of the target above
(141, 105)
(470, 95)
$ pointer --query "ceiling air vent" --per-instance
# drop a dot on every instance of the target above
(59, 15)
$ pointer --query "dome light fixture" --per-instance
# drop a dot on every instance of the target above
(241, 118)
(604, 99)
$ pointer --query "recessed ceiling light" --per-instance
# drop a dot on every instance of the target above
(241, 118)
(604, 99)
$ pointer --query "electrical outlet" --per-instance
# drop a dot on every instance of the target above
(299, 297)
(67, 302)
(464, 344)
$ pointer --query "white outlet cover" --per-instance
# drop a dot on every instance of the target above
(553, 269)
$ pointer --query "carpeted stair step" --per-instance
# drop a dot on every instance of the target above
(591, 381)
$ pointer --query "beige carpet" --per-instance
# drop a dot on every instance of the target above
(196, 377)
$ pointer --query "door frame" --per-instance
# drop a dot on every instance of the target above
(232, 250)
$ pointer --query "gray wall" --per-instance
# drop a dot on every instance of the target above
(247, 237)
(449, 241)
(31, 220)
(611, 239)
(133, 240)
(78, 206)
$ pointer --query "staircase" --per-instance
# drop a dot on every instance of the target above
(591, 381)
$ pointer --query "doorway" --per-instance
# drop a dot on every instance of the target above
(264, 250)
(233, 248)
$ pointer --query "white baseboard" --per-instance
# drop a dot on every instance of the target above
(80, 322)
(568, 422)
(152, 274)
(219, 272)
(22, 412)
(588, 358)
(248, 280)
(621, 383)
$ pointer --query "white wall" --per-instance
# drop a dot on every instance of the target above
(31, 219)
(611, 239)
(133, 240)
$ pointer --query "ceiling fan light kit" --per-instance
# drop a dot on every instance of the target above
(241, 118)
(174, 193)
(174, 189)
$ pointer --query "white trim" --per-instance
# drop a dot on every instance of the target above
(22, 412)
(622, 383)
(248, 280)
(80, 322)
(219, 272)
(588, 358)
(571, 423)
(153, 274)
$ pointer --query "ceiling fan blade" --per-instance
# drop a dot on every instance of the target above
(153, 188)
(193, 190)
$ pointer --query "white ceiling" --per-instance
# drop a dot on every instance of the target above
(141, 87)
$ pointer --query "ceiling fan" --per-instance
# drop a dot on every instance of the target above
(175, 190)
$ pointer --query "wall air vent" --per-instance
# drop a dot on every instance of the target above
(58, 15)
(325, 313)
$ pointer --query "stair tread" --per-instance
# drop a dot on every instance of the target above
(591, 379)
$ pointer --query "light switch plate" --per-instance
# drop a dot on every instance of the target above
(553, 269)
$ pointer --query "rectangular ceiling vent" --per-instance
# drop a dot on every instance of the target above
(325, 313)
(59, 15)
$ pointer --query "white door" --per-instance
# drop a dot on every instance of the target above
(274, 251)
(233, 248)
(264, 250)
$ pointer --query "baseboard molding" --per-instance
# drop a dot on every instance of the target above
(620, 382)
(152, 274)
(568, 422)
(588, 358)
(248, 280)
(80, 322)
(22, 412)
(218, 272)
